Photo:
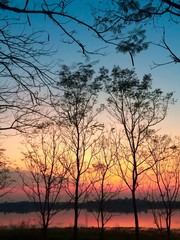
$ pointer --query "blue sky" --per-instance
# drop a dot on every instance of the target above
(164, 77)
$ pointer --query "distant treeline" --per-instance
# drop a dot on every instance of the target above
(113, 205)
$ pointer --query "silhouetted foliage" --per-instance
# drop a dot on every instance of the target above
(132, 19)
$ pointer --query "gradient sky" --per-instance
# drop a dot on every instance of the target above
(164, 77)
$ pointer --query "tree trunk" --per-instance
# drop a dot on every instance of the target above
(135, 215)
(101, 237)
(44, 232)
(168, 226)
(76, 210)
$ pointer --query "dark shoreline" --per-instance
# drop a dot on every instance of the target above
(114, 205)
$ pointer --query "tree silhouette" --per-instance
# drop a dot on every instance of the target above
(45, 176)
(164, 181)
(75, 113)
(23, 73)
(137, 108)
(103, 186)
(5, 175)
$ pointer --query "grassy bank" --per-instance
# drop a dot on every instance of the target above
(84, 234)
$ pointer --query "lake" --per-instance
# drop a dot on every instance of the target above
(86, 219)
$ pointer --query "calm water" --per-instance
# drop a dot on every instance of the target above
(86, 219)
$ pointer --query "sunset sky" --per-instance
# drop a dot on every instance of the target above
(76, 150)
(164, 77)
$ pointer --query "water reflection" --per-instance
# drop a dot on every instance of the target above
(86, 219)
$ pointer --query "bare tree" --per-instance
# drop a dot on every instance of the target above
(103, 187)
(174, 58)
(45, 177)
(23, 73)
(164, 181)
(5, 175)
(60, 15)
(137, 108)
(75, 111)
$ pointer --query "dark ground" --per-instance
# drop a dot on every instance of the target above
(84, 234)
